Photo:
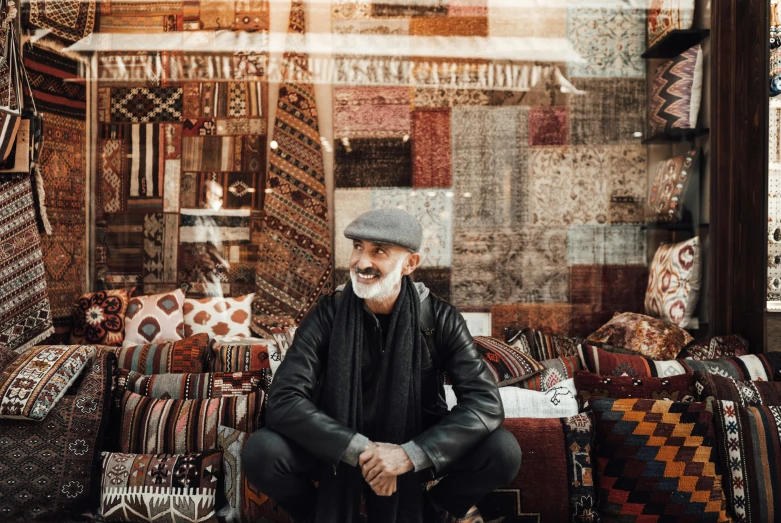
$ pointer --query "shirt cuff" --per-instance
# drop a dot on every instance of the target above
(355, 449)
(417, 456)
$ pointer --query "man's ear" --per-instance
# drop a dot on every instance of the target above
(411, 264)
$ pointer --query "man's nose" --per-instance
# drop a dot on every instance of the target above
(364, 262)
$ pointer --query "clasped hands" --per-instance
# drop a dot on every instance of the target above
(381, 464)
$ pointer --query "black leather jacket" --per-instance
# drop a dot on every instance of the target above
(293, 412)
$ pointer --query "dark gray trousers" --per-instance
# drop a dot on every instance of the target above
(285, 471)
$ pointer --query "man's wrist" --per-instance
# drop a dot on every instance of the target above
(420, 460)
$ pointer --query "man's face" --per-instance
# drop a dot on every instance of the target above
(376, 270)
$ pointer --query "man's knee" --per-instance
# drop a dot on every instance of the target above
(260, 456)
(505, 455)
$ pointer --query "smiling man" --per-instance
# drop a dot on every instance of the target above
(358, 404)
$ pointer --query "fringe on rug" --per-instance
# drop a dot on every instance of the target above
(33, 342)
(41, 194)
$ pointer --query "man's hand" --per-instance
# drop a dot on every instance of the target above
(381, 464)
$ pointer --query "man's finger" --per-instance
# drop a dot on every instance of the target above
(366, 455)
(372, 474)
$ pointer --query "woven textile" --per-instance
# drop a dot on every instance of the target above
(665, 198)
(437, 279)
(187, 355)
(742, 393)
(647, 336)
(557, 402)
(657, 459)
(609, 40)
(674, 282)
(71, 21)
(229, 357)
(145, 105)
(50, 77)
(750, 443)
(764, 367)
(431, 154)
(549, 126)
(609, 287)
(556, 318)
(25, 314)
(155, 318)
(153, 426)
(676, 92)
(244, 500)
(609, 113)
(506, 364)
(558, 450)
(6, 357)
(36, 380)
(619, 245)
(218, 316)
(727, 346)
(220, 99)
(99, 317)
(48, 466)
(591, 386)
(190, 386)
(371, 112)
(541, 345)
(163, 488)
(294, 266)
(665, 16)
(556, 371)
(373, 162)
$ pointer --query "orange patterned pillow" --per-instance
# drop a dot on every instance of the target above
(648, 336)
(218, 316)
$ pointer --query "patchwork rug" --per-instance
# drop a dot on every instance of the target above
(371, 112)
(607, 245)
(610, 112)
(294, 266)
(431, 155)
(373, 162)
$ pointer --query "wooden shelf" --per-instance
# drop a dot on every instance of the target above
(676, 42)
(677, 136)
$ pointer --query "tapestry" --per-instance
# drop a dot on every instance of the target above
(48, 467)
(145, 105)
(161, 234)
(395, 9)
(674, 282)
(491, 181)
(294, 265)
(749, 441)
(549, 125)
(111, 193)
(51, 76)
(559, 450)
(676, 93)
(610, 40)
(449, 26)
(252, 15)
(431, 97)
(506, 364)
(239, 189)
(657, 460)
(609, 288)
(743, 393)
(25, 312)
(214, 227)
(99, 317)
(610, 112)
(190, 386)
(572, 185)
(565, 319)
(492, 266)
(432, 208)
(606, 245)
(162, 488)
(223, 99)
(431, 155)
(371, 112)
(591, 386)
(69, 20)
(373, 162)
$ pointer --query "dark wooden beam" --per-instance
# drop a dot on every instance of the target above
(739, 149)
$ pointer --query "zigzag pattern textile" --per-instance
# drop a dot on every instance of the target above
(671, 93)
(295, 265)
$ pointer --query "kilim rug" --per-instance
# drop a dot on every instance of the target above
(25, 313)
(68, 19)
(294, 266)
(49, 75)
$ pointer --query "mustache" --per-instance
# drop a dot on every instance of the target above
(367, 272)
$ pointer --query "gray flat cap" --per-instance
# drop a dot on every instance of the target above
(388, 226)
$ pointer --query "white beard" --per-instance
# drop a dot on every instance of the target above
(378, 290)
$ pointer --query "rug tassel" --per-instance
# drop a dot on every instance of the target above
(47, 226)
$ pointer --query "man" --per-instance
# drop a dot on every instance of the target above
(358, 403)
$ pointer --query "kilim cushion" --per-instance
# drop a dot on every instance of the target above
(727, 346)
(555, 371)
(163, 488)
(190, 386)
(743, 393)
(6, 357)
(676, 93)
(648, 336)
(765, 367)
(674, 283)
(155, 319)
(46, 467)
(506, 364)
(665, 16)
(665, 199)
(591, 386)
(657, 461)
(540, 345)
(218, 316)
(230, 357)
(187, 355)
(99, 317)
(36, 380)
(749, 440)
(154, 426)
(557, 402)
(556, 480)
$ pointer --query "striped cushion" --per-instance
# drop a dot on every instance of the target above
(744, 393)
(238, 357)
(187, 355)
(155, 426)
(190, 386)
(507, 364)
(555, 371)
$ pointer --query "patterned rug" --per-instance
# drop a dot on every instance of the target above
(25, 313)
(431, 155)
(610, 288)
(607, 245)
(373, 162)
(551, 318)
(371, 112)
(70, 20)
(610, 112)
(145, 105)
(49, 73)
(294, 266)
(549, 126)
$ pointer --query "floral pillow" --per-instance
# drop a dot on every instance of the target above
(36, 380)
(665, 199)
(155, 318)
(674, 282)
(218, 316)
(99, 317)
(644, 335)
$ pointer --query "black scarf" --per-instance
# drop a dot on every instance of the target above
(398, 407)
